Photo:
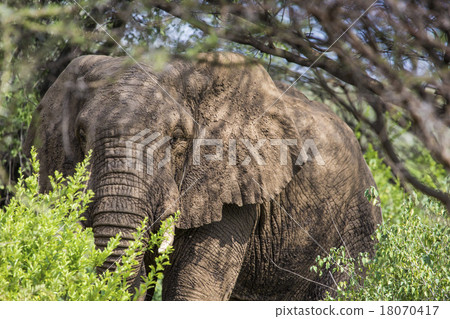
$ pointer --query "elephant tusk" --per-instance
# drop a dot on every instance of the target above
(168, 239)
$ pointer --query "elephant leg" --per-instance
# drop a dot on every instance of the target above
(207, 260)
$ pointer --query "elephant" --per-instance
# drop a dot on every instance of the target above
(265, 179)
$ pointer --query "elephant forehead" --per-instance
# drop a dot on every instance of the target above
(128, 107)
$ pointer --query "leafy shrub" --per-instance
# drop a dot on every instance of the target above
(390, 192)
(412, 250)
(411, 262)
(45, 254)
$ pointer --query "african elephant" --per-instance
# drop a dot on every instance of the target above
(265, 179)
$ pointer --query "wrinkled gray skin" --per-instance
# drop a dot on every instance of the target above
(248, 232)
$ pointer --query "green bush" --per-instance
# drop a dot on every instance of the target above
(45, 254)
(391, 194)
(411, 261)
(412, 252)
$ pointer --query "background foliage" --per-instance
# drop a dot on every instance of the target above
(382, 66)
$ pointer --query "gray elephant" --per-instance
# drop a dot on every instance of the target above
(265, 180)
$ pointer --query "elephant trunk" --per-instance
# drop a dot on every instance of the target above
(120, 207)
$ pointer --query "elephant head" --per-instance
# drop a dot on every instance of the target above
(188, 137)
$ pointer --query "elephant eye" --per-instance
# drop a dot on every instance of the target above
(177, 136)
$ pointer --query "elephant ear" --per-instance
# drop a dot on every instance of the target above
(52, 129)
(241, 109)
